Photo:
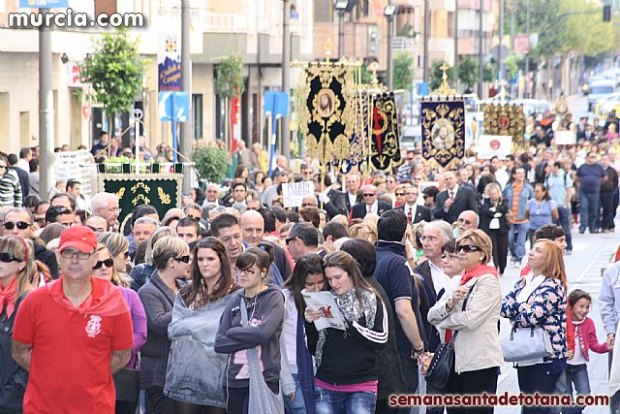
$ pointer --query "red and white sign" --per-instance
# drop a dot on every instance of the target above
(74, 79)
(522, 44)
(490, 146)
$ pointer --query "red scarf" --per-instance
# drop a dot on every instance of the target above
(478, 270)
(8, 297)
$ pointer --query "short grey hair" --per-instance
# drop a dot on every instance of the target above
(101, 200)
(444, 228)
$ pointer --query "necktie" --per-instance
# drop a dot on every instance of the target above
(410, 215)
(451, 195)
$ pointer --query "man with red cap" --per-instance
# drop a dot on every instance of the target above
(73, 334)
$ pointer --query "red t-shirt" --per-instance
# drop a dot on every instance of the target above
(72, 348)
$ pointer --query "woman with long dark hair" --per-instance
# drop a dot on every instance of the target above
(348, 384)
(193, 377)
(249, 331)
(308, 274)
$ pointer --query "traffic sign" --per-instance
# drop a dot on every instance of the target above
(43, 4)
(522, 44)
(173, 106)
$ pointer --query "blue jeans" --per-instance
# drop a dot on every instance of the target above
(577, 375)
(516, 240)
(297, 405)
(564, 221)
(539, 378)
(588, 211)
(335, 402)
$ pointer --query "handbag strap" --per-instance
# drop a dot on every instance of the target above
(462, 309)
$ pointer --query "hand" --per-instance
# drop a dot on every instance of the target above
(448, 203)
(611, 340)
(457, 296)
(292, 396)
(424, 361)
(570, 355)
(312, 315)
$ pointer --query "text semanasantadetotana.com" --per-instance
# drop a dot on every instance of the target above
(505, 399)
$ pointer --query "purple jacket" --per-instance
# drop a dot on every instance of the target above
(138, 319)
(586, 332)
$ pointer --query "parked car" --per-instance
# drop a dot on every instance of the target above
(411, 137)
(604, 105)
(533, 106)
(599, 89)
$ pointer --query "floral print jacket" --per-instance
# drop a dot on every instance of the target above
(546, 307)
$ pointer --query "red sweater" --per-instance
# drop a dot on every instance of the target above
(586, 332)
(570, 332)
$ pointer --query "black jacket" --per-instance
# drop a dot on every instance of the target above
(158, 301)
(359, 210)
(13, 378)
(337, 204)
(486, 215)
(430, 298)
(421, 213)
(465, 199)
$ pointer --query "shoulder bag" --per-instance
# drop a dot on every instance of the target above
(442, 364)
(523, 344)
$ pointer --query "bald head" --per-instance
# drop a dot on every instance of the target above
(309, 201)
(252, 227)
(468, 219)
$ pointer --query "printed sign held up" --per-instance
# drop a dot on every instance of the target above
(293, 193)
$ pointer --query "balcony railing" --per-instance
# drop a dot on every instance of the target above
(405, 44)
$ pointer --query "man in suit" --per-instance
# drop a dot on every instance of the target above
(352, 184)
(453, 200)
(370, 204)
(333, 200)
(413, 211)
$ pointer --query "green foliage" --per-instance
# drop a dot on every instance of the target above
(468, 71)
(403, 71)
(489, 72)
(229, 81)
(365, 75)
(211, 163)
(436, 74)
(115, 70)
(511, 64)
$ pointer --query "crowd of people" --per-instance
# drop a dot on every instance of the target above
(201, 309)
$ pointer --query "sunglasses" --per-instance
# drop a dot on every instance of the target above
(126, 254)
(368, 194)
(184, 259)
(290, 239)
(8, 258)
(22, 225)
(96, 229)
(468, 248)
(399, 194)
(107, 263)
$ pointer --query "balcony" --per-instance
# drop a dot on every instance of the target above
(403, 44)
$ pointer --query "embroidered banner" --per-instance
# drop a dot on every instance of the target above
(505, 119)
(384, 147)
(443, 131)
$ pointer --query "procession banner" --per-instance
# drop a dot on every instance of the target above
(490, 146)
(293, 193)
(565, 137)
(384, 147)
(169, 63)
(162, 191)
(505, 119)
(443, 131)
(327, 113)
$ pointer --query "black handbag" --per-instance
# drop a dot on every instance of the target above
(442, 364)
(127, 385)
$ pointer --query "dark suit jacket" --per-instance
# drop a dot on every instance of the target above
(421, 213)
(359, 210)
(465, 199)
(336, 205)
(424, 270)
(486, 215)
(347, 203)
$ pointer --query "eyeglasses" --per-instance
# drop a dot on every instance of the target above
(70, 254)
(468, 248)
(399, 194)
(290, 239)
(184, 259)
(22, 225)
(449, 256)
(8, 258)
(107, 263)
(97, 230)
(368, 194)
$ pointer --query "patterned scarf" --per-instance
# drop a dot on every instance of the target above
(353, 311)
(8, 297)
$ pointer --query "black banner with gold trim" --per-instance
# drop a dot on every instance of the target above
(384, 147)
(161, 191)
(443, 131)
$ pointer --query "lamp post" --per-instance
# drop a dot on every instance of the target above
(389, 12)
(527, 55)
(427, 23)
(480, 55)
(186, 86)
(286, 80)
(341, 6)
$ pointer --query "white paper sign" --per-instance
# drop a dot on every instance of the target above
(293, 193)
(490, 146)
(565, 137)
(324, 302)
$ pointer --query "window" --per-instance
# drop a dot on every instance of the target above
(197, 115)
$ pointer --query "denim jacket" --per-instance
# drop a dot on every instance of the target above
(527, 192)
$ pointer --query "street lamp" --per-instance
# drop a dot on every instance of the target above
(341, 6)
(389, 12)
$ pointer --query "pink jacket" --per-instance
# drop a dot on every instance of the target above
(586, 332)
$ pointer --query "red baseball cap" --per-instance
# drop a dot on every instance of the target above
(81, 238)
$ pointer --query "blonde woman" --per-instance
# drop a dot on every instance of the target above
(104, 268)
(16, 261)
(171, 258)
(365, 230)
(141, 273)
(118, 246)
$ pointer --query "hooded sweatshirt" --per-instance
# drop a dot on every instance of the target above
(265, 314)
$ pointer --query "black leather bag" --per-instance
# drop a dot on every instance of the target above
(442, 364)
(127, 385)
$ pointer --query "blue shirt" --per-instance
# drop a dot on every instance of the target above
(540, 213)
(558, 186)
(590, 178)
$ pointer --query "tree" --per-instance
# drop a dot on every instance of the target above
(403, 67)
(116, 71)
(211, 163)
(437, 74)
(229, 81)
(468, 71)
